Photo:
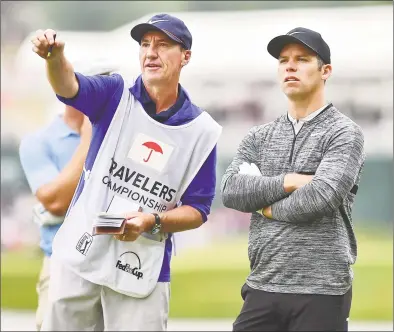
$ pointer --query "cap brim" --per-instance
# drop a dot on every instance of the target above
(141, 29)
(276, 45)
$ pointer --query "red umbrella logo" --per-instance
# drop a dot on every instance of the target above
(153, 147)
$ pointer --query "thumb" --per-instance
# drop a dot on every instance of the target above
(59, 44)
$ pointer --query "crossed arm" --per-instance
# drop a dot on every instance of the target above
(249, 193)
(53, 188)
(295, 197)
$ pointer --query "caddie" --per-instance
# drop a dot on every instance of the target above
(151, 149)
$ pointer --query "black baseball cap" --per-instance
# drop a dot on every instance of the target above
(309, 38)
(173, 27)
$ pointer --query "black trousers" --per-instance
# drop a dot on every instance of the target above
(264, 311)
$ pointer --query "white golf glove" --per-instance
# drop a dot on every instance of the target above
(42, 216)
(250, 169)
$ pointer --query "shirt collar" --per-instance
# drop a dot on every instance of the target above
(62, 129)
(307, 118)
(141, 94)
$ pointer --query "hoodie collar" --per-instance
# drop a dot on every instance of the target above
(316, 115)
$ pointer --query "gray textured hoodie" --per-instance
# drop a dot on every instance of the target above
(309, 245)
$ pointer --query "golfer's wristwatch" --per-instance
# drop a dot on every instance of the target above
(157, 227)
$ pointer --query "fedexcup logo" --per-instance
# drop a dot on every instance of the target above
(130, 262)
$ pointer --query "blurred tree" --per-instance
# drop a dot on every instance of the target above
(253, 5)
(103, 15)
(19, 18)
(107, 15)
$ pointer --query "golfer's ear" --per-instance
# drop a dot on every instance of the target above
(186, 57)
(327, 70)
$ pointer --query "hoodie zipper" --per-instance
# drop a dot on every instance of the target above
(294, 141)
(295, 135)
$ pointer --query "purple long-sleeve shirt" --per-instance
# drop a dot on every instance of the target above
(98, 98)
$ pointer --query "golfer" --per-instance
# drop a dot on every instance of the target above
(52, 159)
(301, 242)
(153, 150)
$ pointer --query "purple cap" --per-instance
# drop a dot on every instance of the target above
(173, 27)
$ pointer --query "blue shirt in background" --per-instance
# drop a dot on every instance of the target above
(43, 155)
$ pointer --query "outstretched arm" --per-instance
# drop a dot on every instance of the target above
(59, 70)
(89, 94)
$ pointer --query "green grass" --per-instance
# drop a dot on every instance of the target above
(216, 293)
(212, 278)
(206, 283)
(19, 274)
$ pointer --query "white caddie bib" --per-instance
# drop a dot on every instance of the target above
(141, 163)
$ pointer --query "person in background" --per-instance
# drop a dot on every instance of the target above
(52, 159)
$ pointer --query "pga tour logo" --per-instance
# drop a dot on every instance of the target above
(84, 243)
(150, 152)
